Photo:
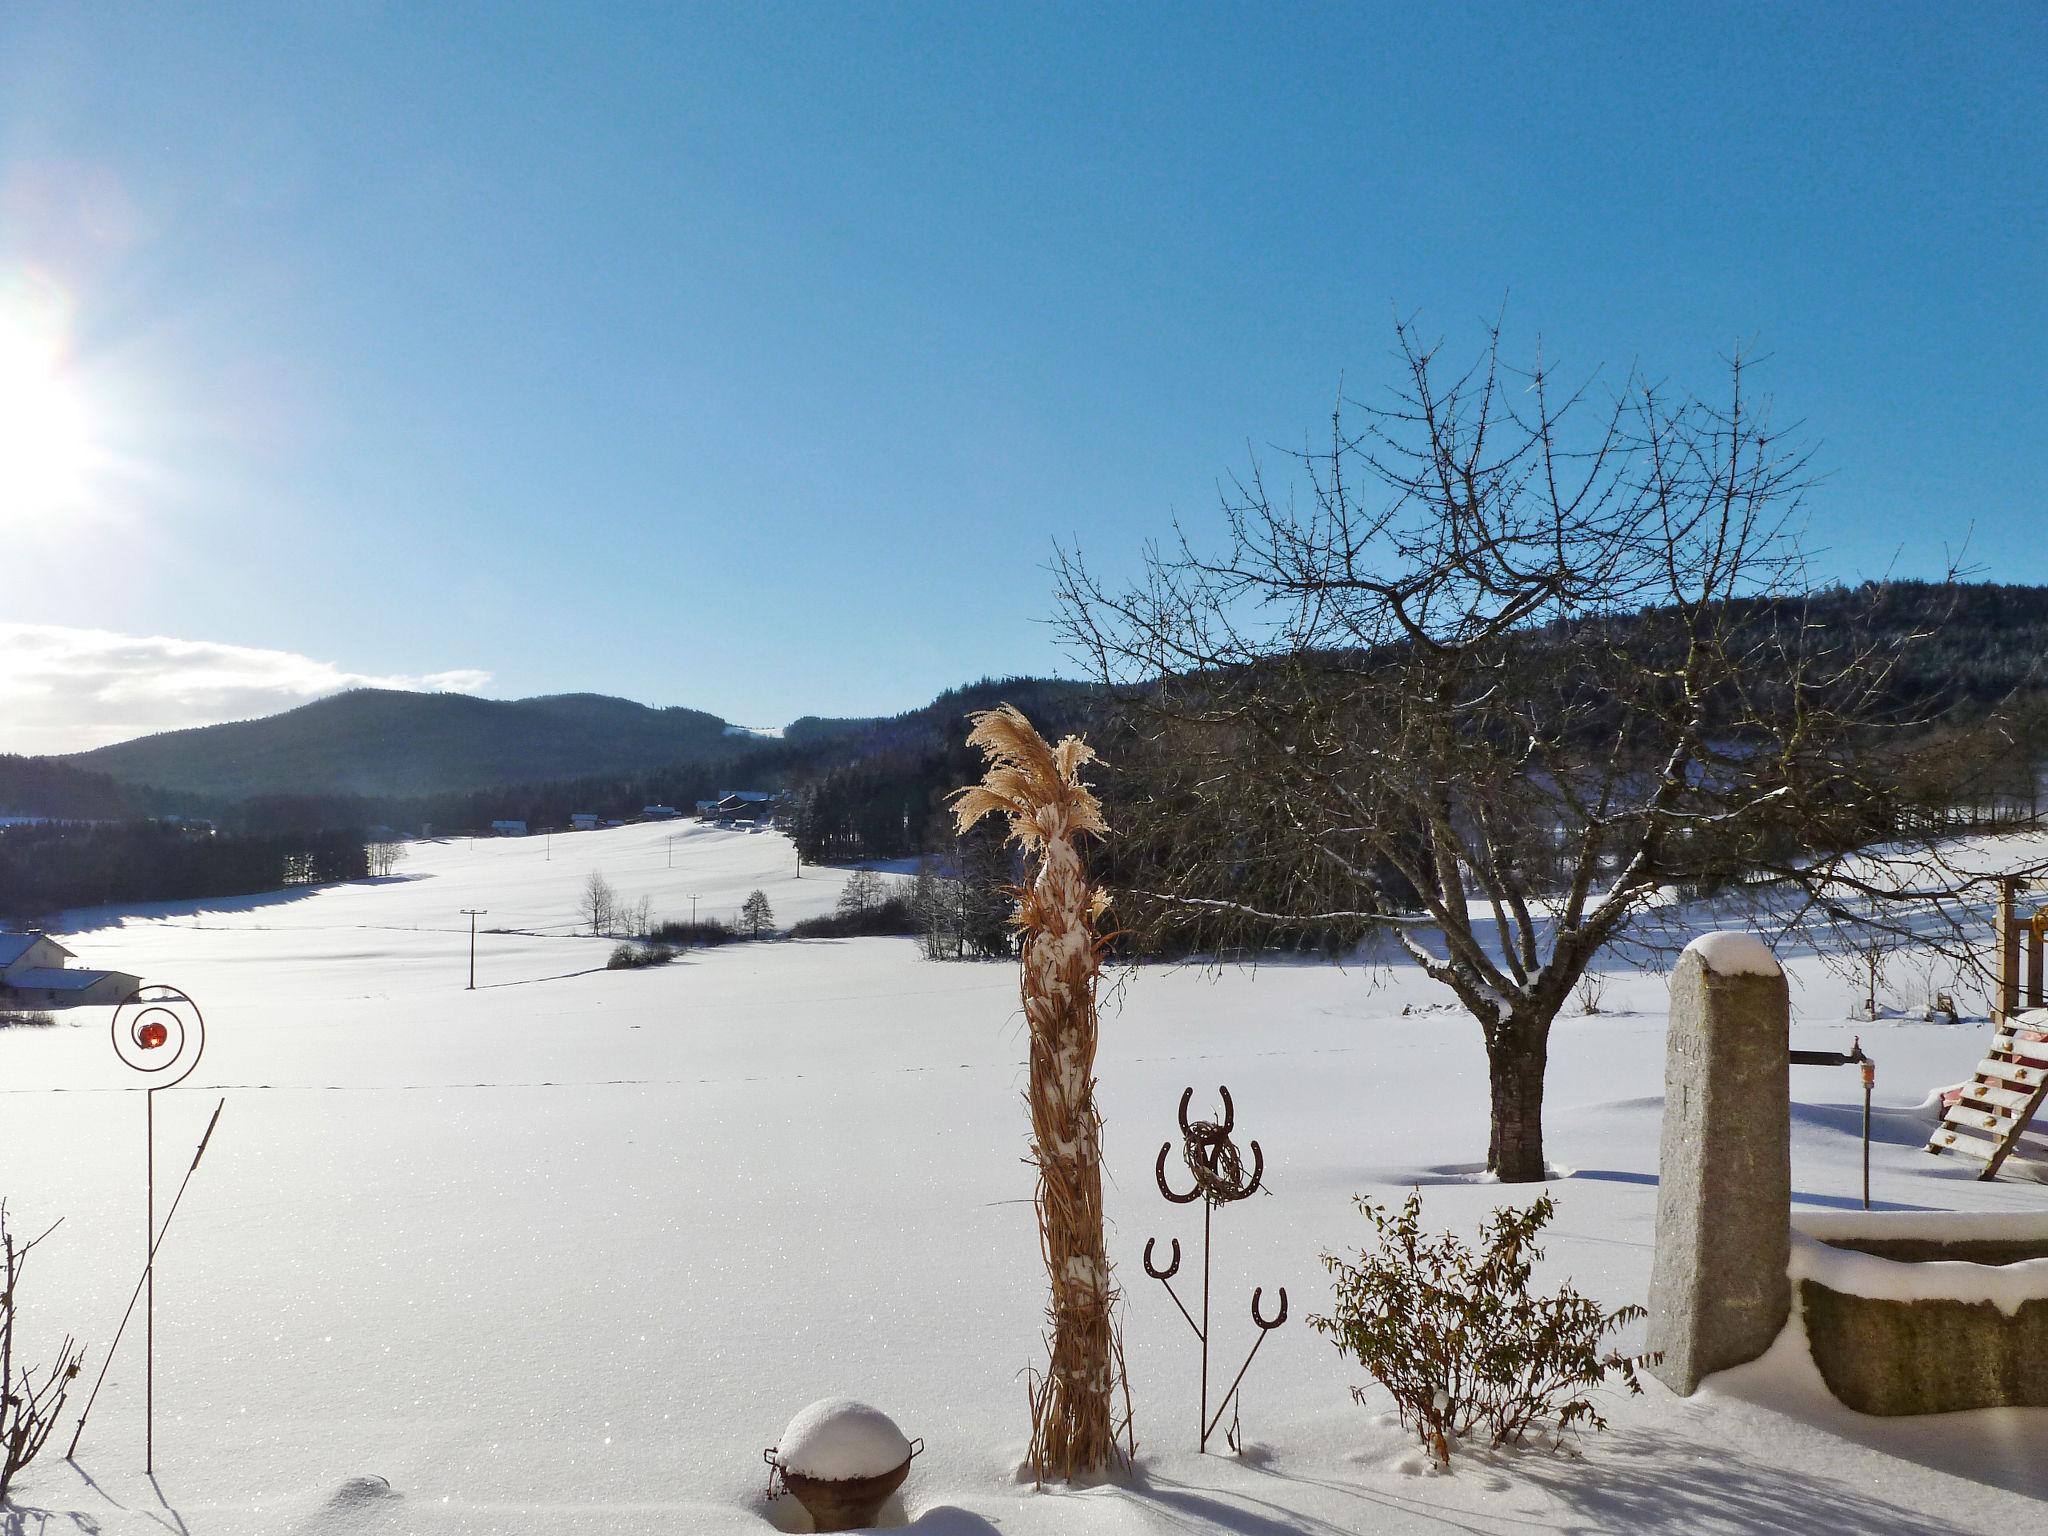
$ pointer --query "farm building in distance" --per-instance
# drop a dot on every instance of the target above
(740, 805)
(33, 974)
(509, 828)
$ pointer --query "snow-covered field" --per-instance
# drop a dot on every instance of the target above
(563, 1254)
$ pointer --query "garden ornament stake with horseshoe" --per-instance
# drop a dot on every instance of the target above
(1220, 1177)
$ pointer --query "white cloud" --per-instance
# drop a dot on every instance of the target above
(63, 689)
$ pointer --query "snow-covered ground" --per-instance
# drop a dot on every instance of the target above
(563, 1254)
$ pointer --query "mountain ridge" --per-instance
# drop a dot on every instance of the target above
(388, 742)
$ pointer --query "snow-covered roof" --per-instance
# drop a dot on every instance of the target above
(50, 978)
(14, 945)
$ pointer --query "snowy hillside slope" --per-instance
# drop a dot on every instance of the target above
(563, 1254)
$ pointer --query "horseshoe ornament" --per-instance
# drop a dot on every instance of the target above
(1220, 1177)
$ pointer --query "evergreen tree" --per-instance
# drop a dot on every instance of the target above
(755, 915)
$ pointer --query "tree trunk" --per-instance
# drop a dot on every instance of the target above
(1515, 1063)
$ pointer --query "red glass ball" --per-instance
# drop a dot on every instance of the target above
(152, 1035)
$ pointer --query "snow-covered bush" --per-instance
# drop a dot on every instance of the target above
(633, 957)
(26, 1018)
(1454, 1334)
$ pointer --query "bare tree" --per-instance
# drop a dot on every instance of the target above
(383, 855)
(756, 916)
(962, 900)
(1870, 952)
(30, 1401)
(863, 889)
(935, 905)
(1514, 669)
(599, 905)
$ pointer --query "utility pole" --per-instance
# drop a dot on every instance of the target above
(473, 913)
(693, 910)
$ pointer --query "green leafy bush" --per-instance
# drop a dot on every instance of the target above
(1453, 1333)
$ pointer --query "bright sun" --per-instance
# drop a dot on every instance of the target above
(46, 438)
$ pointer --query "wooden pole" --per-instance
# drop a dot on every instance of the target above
(2037, 930)
(2006, 935)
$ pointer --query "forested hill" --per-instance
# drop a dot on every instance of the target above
(864, 787)
(381, 743)
(1972, 645)
(49, 787)
(404, 760)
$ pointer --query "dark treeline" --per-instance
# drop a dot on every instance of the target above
(872, 783)
(882, 793)
(1970, 693)
(1967, 740)
(42, 786)
(44, 869)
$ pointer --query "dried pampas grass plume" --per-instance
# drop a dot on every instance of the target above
(1037, 789)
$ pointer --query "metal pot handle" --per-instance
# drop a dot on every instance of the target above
(917, 1448)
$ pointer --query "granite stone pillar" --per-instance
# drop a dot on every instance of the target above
(1719, 1292)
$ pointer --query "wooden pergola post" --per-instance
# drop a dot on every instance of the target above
(2037, 930)
(2005, 930)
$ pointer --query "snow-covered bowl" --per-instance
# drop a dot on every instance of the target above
(842, 1460)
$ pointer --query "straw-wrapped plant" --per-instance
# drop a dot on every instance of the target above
(1037, 789)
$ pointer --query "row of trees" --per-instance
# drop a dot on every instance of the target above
(47, 868)
(610, 915)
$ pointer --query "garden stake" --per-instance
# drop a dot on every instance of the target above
(168, 1216)
(150, 1034)
(1853, 1057)
(1220, 1178)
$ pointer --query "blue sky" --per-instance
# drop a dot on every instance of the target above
(753, 358)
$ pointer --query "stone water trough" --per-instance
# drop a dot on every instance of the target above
(1905, 1312)
(1925, 1312)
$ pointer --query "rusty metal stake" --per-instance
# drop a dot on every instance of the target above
(148, 1268)
(1220, 1178)
(159, 1031)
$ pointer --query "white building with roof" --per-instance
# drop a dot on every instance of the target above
(34, 974)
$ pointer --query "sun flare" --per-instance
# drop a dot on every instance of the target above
(46, 436)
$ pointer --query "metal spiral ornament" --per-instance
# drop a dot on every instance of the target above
(159, 1031)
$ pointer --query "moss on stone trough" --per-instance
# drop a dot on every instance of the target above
(1930, 1314)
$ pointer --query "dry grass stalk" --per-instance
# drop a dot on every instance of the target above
(1037, 789)
(29, 1401)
